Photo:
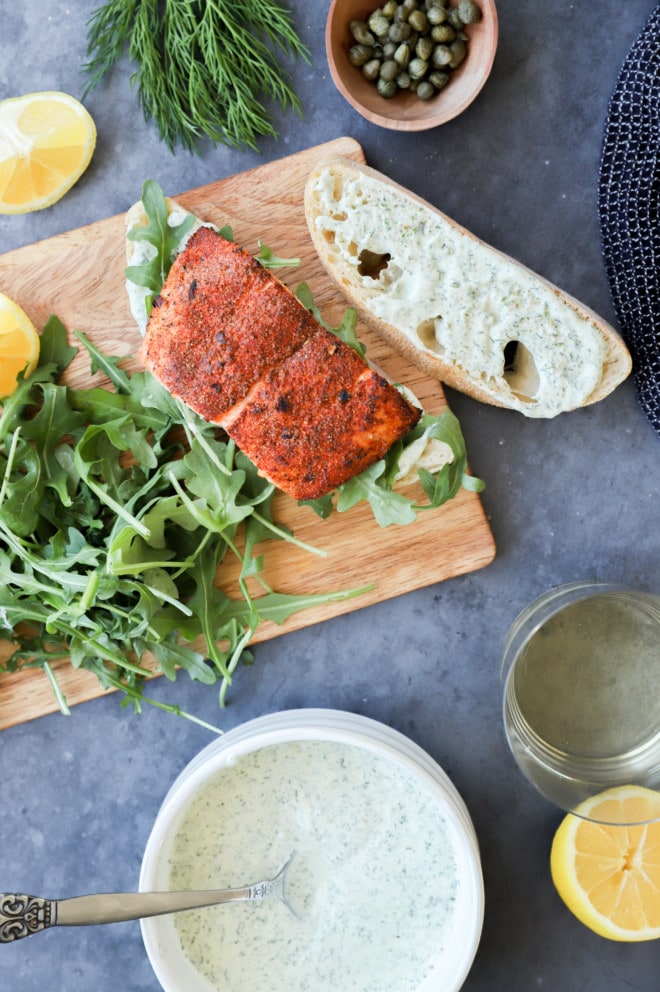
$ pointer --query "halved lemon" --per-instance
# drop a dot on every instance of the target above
(609, 876)
(46, 143)
(19, 345)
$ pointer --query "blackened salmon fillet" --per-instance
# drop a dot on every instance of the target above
(234, 343)
(220, 321)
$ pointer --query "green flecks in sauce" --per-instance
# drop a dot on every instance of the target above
(374, 879)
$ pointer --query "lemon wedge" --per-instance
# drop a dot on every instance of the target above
(19, 346)
(46, 143)
(609, 876)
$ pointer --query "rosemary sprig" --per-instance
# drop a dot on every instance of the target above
(204, 68)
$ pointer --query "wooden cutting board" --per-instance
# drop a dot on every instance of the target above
(79, 276)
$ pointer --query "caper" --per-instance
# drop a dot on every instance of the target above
(424, 48)
(402, 55)
(417, 20)
(443, 33)
(361, 33)
(389, 70)
(378, 24)
(469, 12)
(403, 80)
(410, 5)
(442, 56)
(359, 54)
(458, 50)
(390, 8)
(386, 87)
(417, 68)
(439, 79)
(436, 14)
(399, 31)
(425, 90)
(371, 69)
(389, 48)
(454, 19)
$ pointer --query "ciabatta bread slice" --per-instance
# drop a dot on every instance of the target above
(462, 311)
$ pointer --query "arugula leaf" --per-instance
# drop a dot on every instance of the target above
(219, 493)
(444, 485)
(52, 421)
(346, 329)
(388, 507)
(54, 347)
(271, 261)
(160, 234)
(322, 506)
(21, 493)
(108, 365)
(164, 239)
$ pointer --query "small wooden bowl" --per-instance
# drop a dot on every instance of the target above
(405, 111)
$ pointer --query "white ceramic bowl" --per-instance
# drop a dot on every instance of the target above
(461, 934)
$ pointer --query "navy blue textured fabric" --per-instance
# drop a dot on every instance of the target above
(629, 210)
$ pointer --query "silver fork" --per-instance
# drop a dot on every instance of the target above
(23, 915)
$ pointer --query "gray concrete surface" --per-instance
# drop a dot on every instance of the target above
(567, 499)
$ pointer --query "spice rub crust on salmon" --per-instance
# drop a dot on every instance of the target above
(221, 320)
(234, 343)
(319, 418)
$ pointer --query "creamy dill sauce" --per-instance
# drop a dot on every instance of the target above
(374, 880)
(458, 299)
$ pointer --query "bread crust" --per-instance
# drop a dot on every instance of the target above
(616, 364)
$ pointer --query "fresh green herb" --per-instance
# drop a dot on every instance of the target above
(346, 330)
(204, 67)
(268, 259)
(116, 509)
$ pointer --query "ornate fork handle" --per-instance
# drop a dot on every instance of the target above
(22, 915)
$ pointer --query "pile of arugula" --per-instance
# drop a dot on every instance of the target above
(118, 505)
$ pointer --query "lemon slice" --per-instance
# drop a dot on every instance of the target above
(46, 143)
(609, 876)
(19, 345)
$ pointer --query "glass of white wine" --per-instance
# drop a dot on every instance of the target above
(581, 673)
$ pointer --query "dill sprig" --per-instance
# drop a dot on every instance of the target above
(205, 68)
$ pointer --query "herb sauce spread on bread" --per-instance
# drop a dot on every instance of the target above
(480, 321)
